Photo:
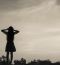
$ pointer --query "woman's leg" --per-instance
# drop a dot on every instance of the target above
(7, 56)
(11, 56)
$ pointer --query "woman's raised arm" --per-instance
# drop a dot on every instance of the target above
(4, 31)
(16, 31)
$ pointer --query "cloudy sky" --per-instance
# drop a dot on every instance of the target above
(39, 24)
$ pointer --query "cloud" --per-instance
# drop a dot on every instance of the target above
(58, 2)
(7, 5)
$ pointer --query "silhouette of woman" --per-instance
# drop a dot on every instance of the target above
(10, 47)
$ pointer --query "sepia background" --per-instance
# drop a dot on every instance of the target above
(39, 24)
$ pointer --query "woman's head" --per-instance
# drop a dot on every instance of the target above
(11, 29)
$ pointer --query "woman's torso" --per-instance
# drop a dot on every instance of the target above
(10, 37)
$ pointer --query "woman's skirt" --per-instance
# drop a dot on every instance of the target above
(10, 47)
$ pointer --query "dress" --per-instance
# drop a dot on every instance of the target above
(10, 47)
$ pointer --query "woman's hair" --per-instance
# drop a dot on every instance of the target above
(10, 28)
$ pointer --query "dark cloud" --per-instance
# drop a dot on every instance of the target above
(7, 5)
(58, 2)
